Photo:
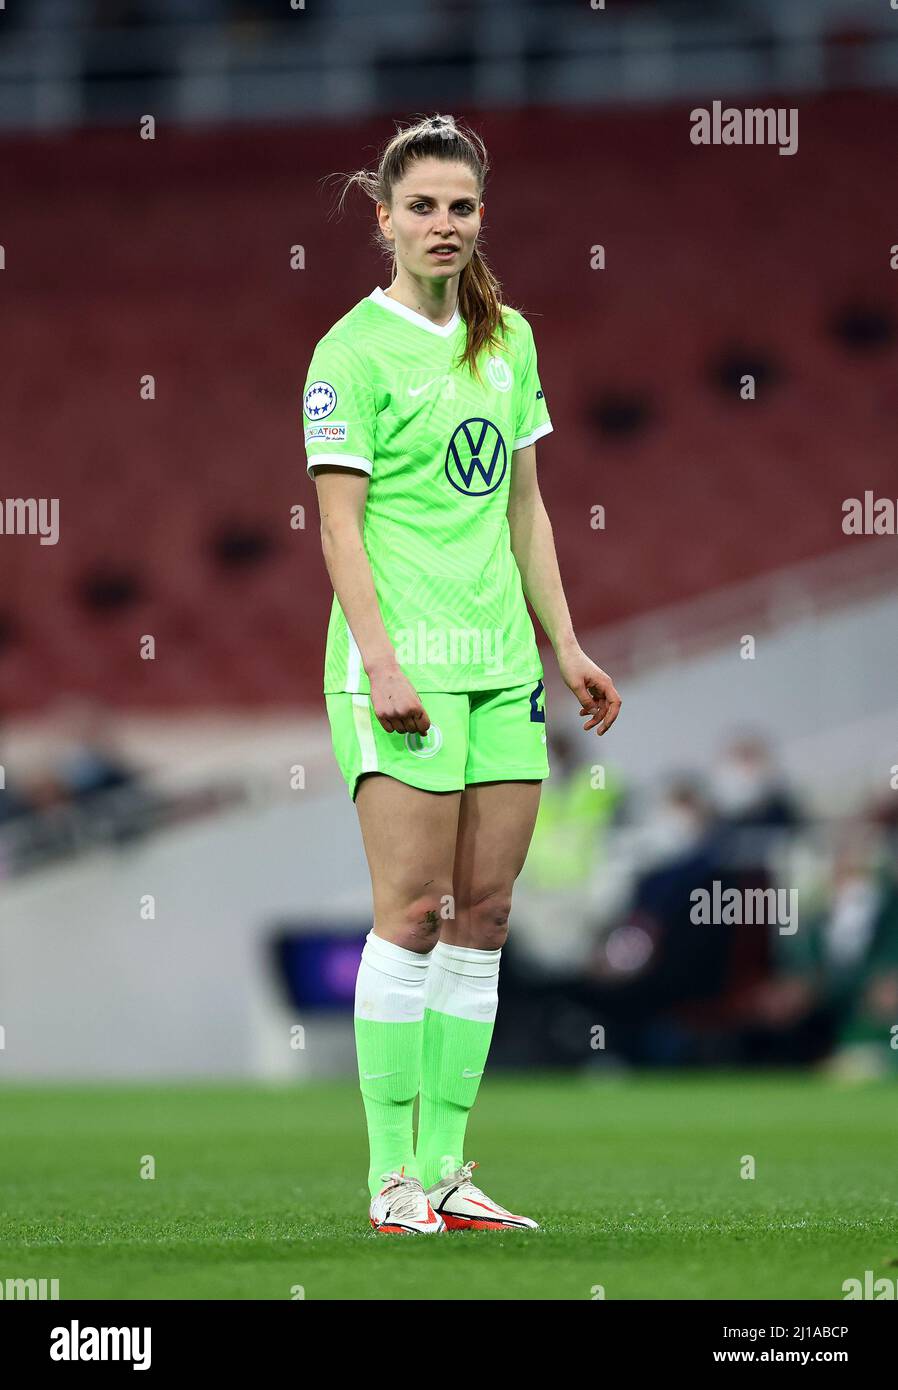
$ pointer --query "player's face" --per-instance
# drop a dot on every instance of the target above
(436, 204)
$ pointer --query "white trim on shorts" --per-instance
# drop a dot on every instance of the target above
(361, 718)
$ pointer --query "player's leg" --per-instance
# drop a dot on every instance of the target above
(407, 790)
(507, 760)
(409, 837)
(494, 831)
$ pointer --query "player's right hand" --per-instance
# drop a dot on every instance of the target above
(396, 702)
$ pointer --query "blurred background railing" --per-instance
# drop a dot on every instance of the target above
(86, 62)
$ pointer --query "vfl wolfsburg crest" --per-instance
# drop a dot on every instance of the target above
(477, 458)
(425, 745)
(500, 374)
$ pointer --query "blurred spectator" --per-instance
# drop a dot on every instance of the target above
(651, 957)
(575, 806)
(748, 790)
(842, 964)
(14, 802)
(90, 762)
(554, 917)
(666, 989)
(83, 791)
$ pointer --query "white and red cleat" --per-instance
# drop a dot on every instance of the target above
(464, 1207)
(402, 1208)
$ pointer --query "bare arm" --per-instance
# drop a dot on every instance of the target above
(342, 494)
(533, 547)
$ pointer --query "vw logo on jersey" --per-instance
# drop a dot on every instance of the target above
(425, 745)
(476, 447)
(500, 374)
(319, 400)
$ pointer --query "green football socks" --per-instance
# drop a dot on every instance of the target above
(422, 1022)
(462, 998)
(389, 1032)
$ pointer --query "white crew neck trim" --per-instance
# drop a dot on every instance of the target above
(442, 330)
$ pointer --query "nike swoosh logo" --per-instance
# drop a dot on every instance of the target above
(378, 1075)
(416, 390)
(469, 1074)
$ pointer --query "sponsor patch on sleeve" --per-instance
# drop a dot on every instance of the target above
(333, 433)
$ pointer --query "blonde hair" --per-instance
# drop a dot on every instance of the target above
(438, 137)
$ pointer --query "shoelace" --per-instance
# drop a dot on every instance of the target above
(409, 1202)
(470, 1190)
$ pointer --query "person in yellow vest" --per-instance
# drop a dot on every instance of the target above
(578, 803)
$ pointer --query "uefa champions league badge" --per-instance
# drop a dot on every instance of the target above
(319, 400)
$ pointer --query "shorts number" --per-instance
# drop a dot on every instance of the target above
(537, 716)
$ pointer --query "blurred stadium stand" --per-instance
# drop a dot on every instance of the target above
(84, 62)
(126, 257)
(174, 261)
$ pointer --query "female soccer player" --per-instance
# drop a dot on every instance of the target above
(422, 409)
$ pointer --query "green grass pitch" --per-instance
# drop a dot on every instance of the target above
(635, 1179)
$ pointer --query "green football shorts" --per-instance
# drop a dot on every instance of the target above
(484, 736)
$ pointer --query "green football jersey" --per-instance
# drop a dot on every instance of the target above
(383, 395)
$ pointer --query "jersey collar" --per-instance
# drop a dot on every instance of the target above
(444, 330)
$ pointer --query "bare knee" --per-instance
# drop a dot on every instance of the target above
(488, 916)
(417, 925)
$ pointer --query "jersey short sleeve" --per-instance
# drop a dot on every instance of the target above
(532, 412)
(338, 408)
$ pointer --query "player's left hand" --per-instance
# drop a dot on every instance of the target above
(594, 689)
